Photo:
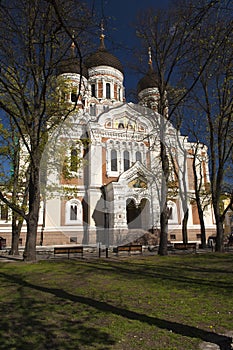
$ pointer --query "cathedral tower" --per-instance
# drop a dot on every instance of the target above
(105, 73)
(147, 88)
(74, 75)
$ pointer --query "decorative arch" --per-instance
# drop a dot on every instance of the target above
(138, 215)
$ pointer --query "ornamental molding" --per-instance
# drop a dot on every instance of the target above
(149, 92)
(125, 111)
(74, 76)
(136, 171)
(105, 71)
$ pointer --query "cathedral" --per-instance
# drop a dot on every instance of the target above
(104, 177)
(107, 187)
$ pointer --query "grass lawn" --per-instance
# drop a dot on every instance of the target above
(162, 303)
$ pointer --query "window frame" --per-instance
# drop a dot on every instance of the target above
(126, 160)
(108, 90)
(73, 212)
(114, 161)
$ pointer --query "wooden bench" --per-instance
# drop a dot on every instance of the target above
(69, 250)
(186, 246)
(129, 248)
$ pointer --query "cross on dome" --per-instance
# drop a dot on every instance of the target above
(102, 36)
(150, 56)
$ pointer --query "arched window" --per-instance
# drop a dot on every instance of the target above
(172, 212)
(119, 94)
(93, 93)
(93, 109)
(74, 212)
(113, 160)
(74, 160)
(138, 156)
(120, 126)
(170, 216)
(74, 96)
(108, 124)
(108, 91)
(126, 160)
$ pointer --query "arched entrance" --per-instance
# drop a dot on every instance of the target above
(138, 216)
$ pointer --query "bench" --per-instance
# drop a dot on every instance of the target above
(129, 248)
(69, 250)
(185, 246)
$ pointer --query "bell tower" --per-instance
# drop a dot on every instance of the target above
(72, 79)
(106, 75)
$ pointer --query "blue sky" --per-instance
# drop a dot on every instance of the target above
(120, 31)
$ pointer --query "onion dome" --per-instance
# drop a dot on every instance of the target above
(103, 58)
(150, 80)
(72, 64)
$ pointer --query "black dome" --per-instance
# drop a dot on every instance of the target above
(150, 80)
(103, 58)
(71, 65)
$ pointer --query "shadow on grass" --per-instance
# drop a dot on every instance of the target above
(222, 341)
(176, 273)
(28, 323)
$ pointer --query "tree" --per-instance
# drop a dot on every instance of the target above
(198, 155)
(214, 96)
(169, 34)
(14, 180)
(34, 38)
(201, 188)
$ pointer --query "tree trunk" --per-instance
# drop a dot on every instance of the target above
(216, 192)
(184, 226)
(16, 227)
(15, 235)
(16, 230)
(163, 232)
(202, 224)
(220, 235)
(163, 206)
(198, 200)
(33, 214)
(30, 247)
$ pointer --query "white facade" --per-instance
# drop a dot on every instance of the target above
(104, 170)
(114, 193)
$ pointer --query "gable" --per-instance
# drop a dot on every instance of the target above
(125, 118)
(137, 176)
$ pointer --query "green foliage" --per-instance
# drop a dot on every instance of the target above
(35, 38)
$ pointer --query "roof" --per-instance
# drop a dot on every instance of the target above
(150, 80)
(71, 65)
(103, 58)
